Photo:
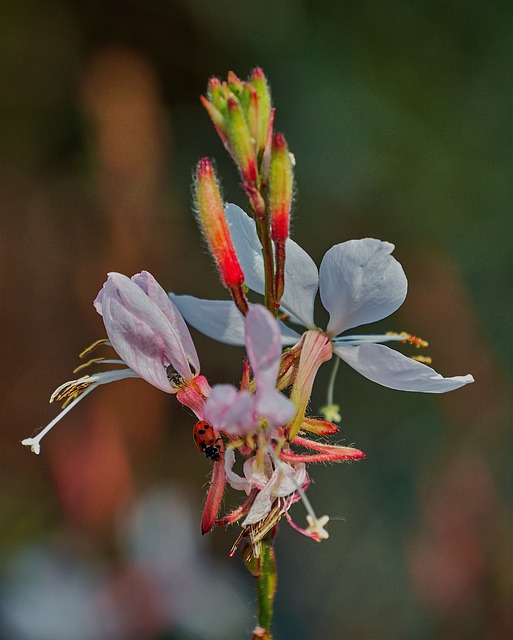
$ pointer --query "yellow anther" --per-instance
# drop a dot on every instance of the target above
(92, 347)
(87, 364)
(414, 340)
(423, 359)
(70, 390)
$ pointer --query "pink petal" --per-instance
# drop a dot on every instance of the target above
(230, 410)
(156, 293)
(140, 332)
(272, 405)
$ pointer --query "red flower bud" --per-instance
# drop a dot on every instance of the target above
(214, 226)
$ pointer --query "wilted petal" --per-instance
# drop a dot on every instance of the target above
(396, 371)
(301, 275)
(233, 479)
(360, 282)
(260, 507)
(281, 484)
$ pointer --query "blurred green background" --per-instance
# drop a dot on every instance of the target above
(398, 114)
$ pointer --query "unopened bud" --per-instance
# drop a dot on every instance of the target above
(241, 142)
(214, 226)
(242, 115)
(259, 82)
(281, 178)
(235, 83)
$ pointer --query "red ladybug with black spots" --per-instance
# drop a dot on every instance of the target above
(205, 440)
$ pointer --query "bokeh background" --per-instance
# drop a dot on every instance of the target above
(399, 116)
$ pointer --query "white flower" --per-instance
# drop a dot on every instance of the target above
(359, 282)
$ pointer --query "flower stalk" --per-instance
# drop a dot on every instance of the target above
(263, 569)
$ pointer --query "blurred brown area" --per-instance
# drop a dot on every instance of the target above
(396, 117)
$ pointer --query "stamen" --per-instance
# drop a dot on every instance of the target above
(71, 390)
(33, 443)
(98, 361)
(423, 359)
(410, 339)
(92, 347)
(87, 364)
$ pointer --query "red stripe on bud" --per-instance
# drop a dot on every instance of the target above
(280, 188)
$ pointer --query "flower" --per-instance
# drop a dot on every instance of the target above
(239, 413)
(152, 341)
(359, 282)
(261, 424)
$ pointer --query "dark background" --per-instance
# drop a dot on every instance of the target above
(398, 114)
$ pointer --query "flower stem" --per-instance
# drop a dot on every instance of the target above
(264, 236)
(263, 569)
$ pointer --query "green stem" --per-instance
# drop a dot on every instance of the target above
(279, 250)
(266, 584)
(257, 202)
(267, 253)
(263, 569)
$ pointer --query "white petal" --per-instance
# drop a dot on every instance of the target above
(217, 319)
(301, 276)
(301, 284)
(360, 282)
(396, 371)
(221, 320)
(247, 246)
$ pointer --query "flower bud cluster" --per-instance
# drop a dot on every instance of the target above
(243, 117)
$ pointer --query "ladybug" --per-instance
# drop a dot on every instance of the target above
(205, 440)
